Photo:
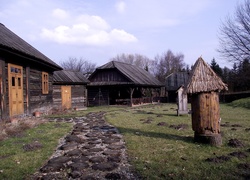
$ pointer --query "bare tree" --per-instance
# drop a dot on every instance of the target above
(78, 65)
(168, 63)
(135, 59)
(235, 35)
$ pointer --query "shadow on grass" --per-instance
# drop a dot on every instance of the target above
(151, 113)
(188, 139)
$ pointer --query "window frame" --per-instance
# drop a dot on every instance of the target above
(45, 83)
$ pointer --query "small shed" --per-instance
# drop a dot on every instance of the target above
(26, 77)
(182, 101)
(121, 83)
(204, 86)
(173, 82)
(69, 90)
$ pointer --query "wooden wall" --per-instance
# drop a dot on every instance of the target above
(108, 76)
(98, 96)
(38, 100)
(78, 96)
(33, 99)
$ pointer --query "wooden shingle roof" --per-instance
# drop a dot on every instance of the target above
(69, 77)
(12, 43)
(136, 75)
(204, 79)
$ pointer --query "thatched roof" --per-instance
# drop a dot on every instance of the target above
(204, 79)
(134, 74)
(69, 77)
(12, 43)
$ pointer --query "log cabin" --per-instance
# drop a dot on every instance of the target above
(203, 87)
(26, 77)
(69, 90)
(121, 83)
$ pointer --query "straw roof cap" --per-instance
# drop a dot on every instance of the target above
(204, 79)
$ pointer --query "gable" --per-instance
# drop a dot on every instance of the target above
(109, 76)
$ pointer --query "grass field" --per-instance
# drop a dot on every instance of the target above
(159, 144)
(24, 154)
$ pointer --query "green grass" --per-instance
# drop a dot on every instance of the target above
(16, 163)
(161, 152)
(245, 102)
(156, 152)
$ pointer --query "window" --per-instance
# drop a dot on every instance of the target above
(45, 83)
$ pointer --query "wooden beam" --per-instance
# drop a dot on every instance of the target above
(28, 90)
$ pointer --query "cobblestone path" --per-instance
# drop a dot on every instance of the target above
(93, 150)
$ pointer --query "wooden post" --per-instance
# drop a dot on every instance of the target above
(206, 118)
(131, 96)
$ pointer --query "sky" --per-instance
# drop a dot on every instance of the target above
(101, 29)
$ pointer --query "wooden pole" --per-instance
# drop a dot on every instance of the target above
(131, 96)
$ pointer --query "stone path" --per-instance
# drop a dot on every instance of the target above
(93, 150)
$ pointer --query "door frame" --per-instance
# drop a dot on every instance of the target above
(68, 100)
(16, 72)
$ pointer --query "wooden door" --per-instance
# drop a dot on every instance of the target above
(15, 78)
(66, 97)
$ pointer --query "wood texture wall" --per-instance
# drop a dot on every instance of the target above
(98, 96)
(78, 96)
(205, 113)
(108, 76)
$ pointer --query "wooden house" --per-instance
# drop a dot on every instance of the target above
(121, 83)
(204, 87)
(26, 76)
(173, 82)
(69, 90)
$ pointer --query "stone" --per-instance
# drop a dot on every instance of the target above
(79, 166)
(110, 152)
(73, 138)
(106, 166)
(89, 146)
(53, 167)
(75, 152)
(94, 142)
(60, 159)
(114, 159)
(96, 159)
(87, 153)
(80, 159)
(92, 134)
(113, 176)
(115, 147)
(75, 174)
(69, 146)
(95, 150)
(111, 141)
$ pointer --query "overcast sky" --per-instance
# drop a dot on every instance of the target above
(98, 30)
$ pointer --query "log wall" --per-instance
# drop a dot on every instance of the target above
(38, 100)
(78, 96)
